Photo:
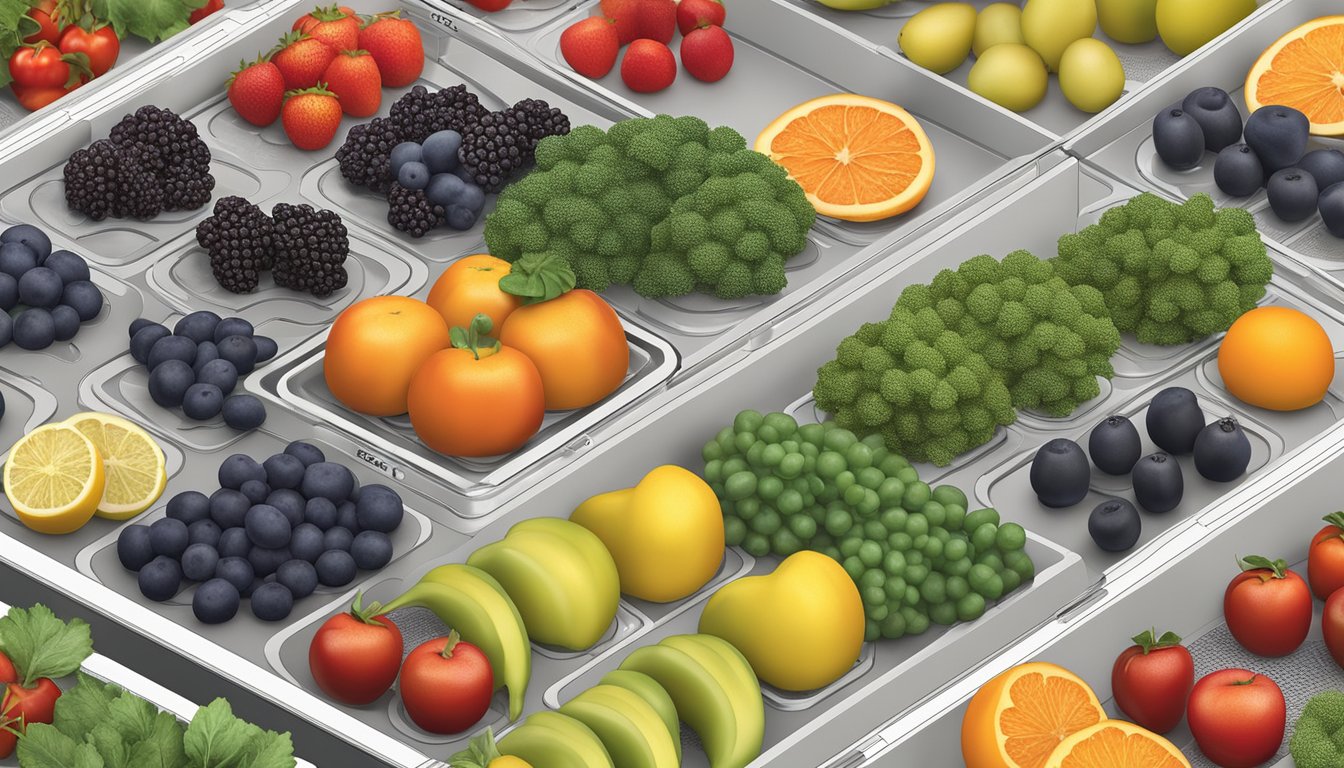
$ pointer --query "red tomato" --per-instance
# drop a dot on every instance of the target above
(7, 672)
(48, 23)
(355, 656)
(34, 705)
(1325, 559)
(40, 66)
(101, 46)
(1151, 681)
(205, 10)
(34, 98)
(7, 738)
(446, 685)
(1332, 625)
(1268, 607)
(1237, 717)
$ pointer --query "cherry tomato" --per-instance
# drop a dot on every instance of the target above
(7, 672)
(1152, 679)
(48, 22)
(1332, 625)
(41, 66)
(1237, 717)
(446, 685)
(34, 705)
(101, 46)
(34, 98)
(1325, 559)
(205, 10)
(355, 656)
(1268, 607)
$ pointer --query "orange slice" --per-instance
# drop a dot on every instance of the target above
(1116, 744)
(1304, 70)
(1018, 719)
(857, 158)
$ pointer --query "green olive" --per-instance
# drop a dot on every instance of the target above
(997, 23)
(1010, 75)
(938, 38)
(1187, 24)
(1049, 26)
(1128, 21)
(1091, 75)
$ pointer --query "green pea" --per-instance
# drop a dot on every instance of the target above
(711, 451)
(934, 588)
(854, 567)
(743, 441)
(790, 446)
(768, 434)
(916, 623)
(979, 517)
(1011, 536)
(940, 534)
(830, 464)
(838, 522)
(895, 588)
(771, 455)
(839, 440)
(832, 553)
(957, 587)
(870, 552)
(870, 478)
(935, 513)
(949, 495)
(854, 495)
(873, 577)
(934, 547)
(991, 560)
(917, 525)
(892, 464)
(874, 531)
(784, 543)
(868, 505)
(849, 546)
(790, 502)
(984, 537)
(872, 630)
(800, 485)
(891, 491)
(875, 613)
(756, 545)
(809, 463)
(754, 455)
(1019, 561)
(874, 442)
(979, 577)
(812, 433)
(970, 607)
(734, 531)
(956, 567)
(920, 542)
(900, 541)
(727, 441)
(747, 421)
(791, 465)
(719, 492)
(714, 470)
(894, 519)
(747, 508)
(769, 488)
(874, 596)
(915, 574)
(893, 627)
(783, 423)
(767, 522)
(859, 456)
(911, 594)
(803, 526)
(992, 588)
(917, 494)
(815, 486)
(894, 563)
(908, 475)
(734, 465)
(956, 517)
(844, 481)
(955, 549)
(1010, 579)
(943, 614)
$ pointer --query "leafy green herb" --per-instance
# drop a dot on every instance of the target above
(41, 645)
(43, 746)
(478, 753)
(217, 739)
(80, 709)
(154, 20)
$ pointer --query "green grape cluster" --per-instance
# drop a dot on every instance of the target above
(917, 555)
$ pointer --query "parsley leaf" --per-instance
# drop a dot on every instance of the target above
(41, 645)
(111, 747)
(42, 746)
(154, 20)
(270, 750)
(81, 708)
(217, 739)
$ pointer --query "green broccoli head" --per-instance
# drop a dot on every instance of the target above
(1318, 735)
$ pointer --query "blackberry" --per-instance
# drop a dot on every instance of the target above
(311, 245)
(542, 119)
(363, 156)
(178, 156)
(107, 179)
(239, 237)
(422, 111)
(411, 212)
(502, 143)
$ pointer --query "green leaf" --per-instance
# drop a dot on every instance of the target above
(163, 748)
(478, 753)
(474, 338)
(42, 746)
(80, 709)
(1149, 641)
(1277, 568)
(111, 746)
(1336, 519)
(154, 20)
(538, 277)
(270, 750)
(41, 645)
(217, 739)
(134, 717)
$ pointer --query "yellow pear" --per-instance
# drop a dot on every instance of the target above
(801, 627)
(665, 534)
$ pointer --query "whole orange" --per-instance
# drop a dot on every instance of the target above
(578, 344)
(470, 286)
(1277, 358)
(463, 406)
(375, 347)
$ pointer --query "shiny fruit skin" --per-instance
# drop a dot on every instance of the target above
(1049, 26)
(939, 37)
(396, 45)
(1091, 75)
(1268, 616)
(1332, 626)
(375, 348)
(210, 7)
(577, 343)
(50, 25)
(1188, 24)
(102, 46)
(1178, 139)
(355, 662)
(1217, 115)
(1010, 75)
(1158, 483)
(1151, 689)
(1237, 717)
(707, 54)
(1060, 473)
(1277, 358)
(1128, 21)
(461, 406)
(33, 705)
(470, 286)
(1237, 171)
(446, 694)
(1325, 562)
(7, 672)
(648, 66)
(997, 23)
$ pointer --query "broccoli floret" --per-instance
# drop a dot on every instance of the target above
(1163, 267)
(1318, 735)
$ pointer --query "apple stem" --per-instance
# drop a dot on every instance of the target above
(453, 639)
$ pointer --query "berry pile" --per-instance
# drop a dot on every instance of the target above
(273, 532)
(590, 46)
(306, 247)
(432, 188)
(153, 161)
(197, 365)
(45, 295)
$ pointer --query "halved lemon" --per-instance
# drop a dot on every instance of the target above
(1304, 70)
(1018, 719)
(133, 462)
(54, 479)
(856, 157)
(1116, 744)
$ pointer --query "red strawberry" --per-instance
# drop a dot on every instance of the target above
(648, 66)
(699, 13)
(395, 44)
(332, 25)
(353, 76)
(707, 53)
(257, 91)
(648, 19)
(302, 59)
(591, 46)
(311, 117)
(205, 10)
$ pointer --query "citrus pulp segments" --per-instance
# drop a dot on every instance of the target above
(54, 478)
(133, 463)
(1304, 70)
(1116, 744)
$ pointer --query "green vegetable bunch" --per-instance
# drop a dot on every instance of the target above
(663, 203)
(1318, 736)
(1171, 273)
(916, 554)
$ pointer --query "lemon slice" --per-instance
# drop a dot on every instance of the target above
(54, 479)
(136, 474)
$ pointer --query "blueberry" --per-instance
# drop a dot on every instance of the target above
(231, 326)
(244, 412)
(307, 542)
(234, 543)
(1222, 451)
(85, 297)
(1060, 473)
(199, 561)
(160, 579)
(272, 602)
(34, 328)
(1217, 115)
(239, 350)
(1237, 171)
(7, 328)
(202, 402)
(290, 503)
(41, 287)
(267, 526)
(1158, 485)
(228, 508)
(168, 537)
(238, 469)
(168, 384)
(284, 471)
(472, 198)
(444, 189)
(1331, 206)
(1278, 135)
(220, 374)
(379, 508)
(133, 547)
(266, 348)
(1292, 194)
(204, 532)
(439, 151)
(308, 453)
(171, 348)
(354, 488)
(1326, 166)
(337, 538)
(371, 550)
(9, 292)
(1114, 525)
(1114, 445)
(215, 602)
(70, 266)
(198, 326)
(65, 320)
(235, 570)
(336, 568)
(1178, 139)
(264, 561)
(460, 218)
(413, 175)
(320, 512)
(347, 516)
(206, 353)
(403, 153)
(256, 491)
(145, 339)
(30, 236)
(298, 576)
(1174, 420)
(189, 507)
(327, 480)
(16, 258)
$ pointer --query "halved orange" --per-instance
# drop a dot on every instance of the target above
(1017, 719)
(856, 157)
(1116, 744)
(1304, 70)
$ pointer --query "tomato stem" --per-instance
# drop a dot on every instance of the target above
(365, 614)
(1148, 640)
(1278, 569)
(1336, 519)
(1247, 681)
(473, 338)
(453, 639)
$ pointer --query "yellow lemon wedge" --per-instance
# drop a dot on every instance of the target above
(54, 478)
(132, 461)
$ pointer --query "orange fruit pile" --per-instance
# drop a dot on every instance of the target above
(1304, 70)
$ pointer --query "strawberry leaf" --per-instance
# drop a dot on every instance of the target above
(154, 20)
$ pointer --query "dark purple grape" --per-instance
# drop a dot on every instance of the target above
(1292, 194)
(1158, 484)
(1060, 473)
(1237, 171)
(1222, 451)
(1326, 166)
(1114, 445)
(1114, 525)
(1217, 115)
(1278, 135)
(1174, 420)
(1178, 139)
